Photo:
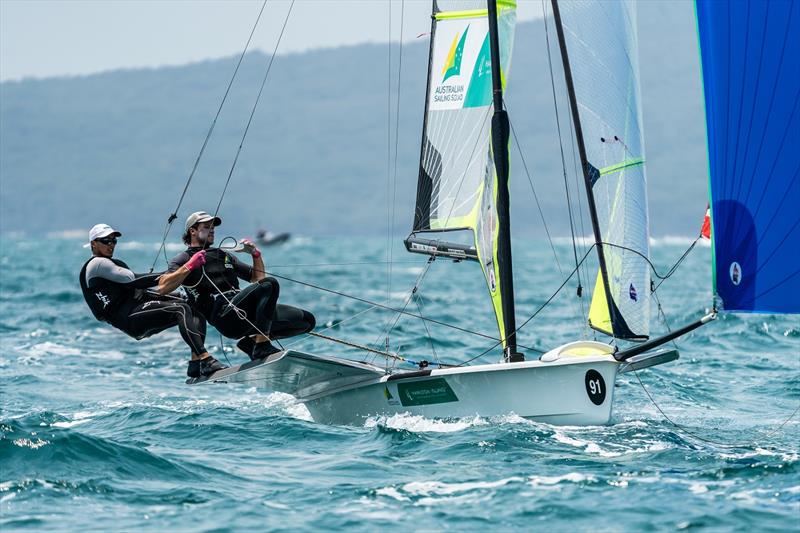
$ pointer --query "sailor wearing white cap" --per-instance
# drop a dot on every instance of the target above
(115, 294)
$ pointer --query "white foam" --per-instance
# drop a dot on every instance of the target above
(32, 444)
(430, 488)
(51, 348)
(698, 488)
(420, 424)
(594, 448)
(68, 424)
(81, 417)
(248, 399)
(785, 456)
(391, 492)
(276, 505)
(572, 477)
(289, 405)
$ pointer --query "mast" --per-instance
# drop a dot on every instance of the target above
(587, 168)
(500, 132)
(424, 184)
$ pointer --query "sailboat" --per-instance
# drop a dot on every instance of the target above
(463, 188)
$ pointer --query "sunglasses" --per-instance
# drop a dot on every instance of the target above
(107, 240)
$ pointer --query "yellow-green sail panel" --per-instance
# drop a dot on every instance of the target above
(599, 316)
(486, 232)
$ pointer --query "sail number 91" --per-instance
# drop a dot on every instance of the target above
(595, 387)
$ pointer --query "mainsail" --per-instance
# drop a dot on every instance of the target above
(598, 45)
(457, 187)
(751, 75)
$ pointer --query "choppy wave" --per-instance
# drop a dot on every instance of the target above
(98, 431)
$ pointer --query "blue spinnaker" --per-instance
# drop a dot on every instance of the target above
(750, 54)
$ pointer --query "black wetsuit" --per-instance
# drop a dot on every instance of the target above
(257, 301)
(116, 295)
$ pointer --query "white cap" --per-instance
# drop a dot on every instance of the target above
(99, 231)
(201, 216)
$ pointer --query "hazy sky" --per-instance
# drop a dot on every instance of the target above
(42, 38)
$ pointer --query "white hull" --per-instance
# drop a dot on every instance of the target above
(552, 393)
(571, 385)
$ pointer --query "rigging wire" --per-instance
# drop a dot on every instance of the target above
(385, 307)
(576, 269)
(411, 295)
(675, 266)
(682, 429)
(541, 214)
(392, 175)
(253, 111)
(561, 148)
(373, 305)
(533, 190)
(541, 307)
(174, 213)
(420, 305)
(351, 263)
(389, 165)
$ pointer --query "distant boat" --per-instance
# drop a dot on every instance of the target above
(463, 186)
(267, 238)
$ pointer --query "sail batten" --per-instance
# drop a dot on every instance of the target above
(750, 54)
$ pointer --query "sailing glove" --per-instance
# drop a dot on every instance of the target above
(197, 260)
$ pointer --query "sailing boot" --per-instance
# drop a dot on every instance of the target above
(263, 350)
(246, 344)
(204, 367)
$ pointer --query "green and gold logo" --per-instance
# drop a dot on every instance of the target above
(452, 67)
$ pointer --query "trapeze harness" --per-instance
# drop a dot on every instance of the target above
(210, 290)
(129, 308)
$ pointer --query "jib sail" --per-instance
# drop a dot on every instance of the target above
(598, 46)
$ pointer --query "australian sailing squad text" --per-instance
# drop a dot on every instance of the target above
(449, 93)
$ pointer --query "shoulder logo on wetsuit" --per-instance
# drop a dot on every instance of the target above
(228, 261)
(103, 298)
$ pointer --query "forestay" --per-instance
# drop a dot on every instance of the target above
(600, 38)
(751, 74)
(457, 187)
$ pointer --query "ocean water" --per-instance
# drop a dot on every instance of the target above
(99, 432)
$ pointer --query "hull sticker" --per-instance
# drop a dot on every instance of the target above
(426, 392)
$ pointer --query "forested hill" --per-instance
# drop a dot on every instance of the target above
(118, 146)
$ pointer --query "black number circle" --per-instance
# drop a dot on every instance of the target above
(595, 387)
